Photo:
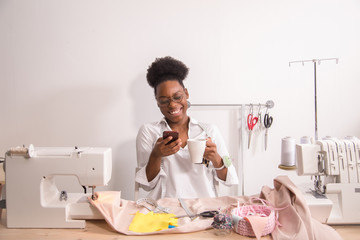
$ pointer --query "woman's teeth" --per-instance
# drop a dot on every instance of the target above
(175, 112)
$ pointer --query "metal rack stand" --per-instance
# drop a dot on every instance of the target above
(240, 171)
(315, 61)
(268, 104)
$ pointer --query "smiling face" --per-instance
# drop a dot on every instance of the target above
(172, 101)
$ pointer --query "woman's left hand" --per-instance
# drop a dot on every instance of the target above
(211, 152)
(212, 155)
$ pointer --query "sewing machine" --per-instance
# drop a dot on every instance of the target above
(32, 198)
(335, 165)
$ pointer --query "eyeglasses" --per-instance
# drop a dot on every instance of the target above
(165, 101)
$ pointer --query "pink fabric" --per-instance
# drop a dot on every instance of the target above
(296, 219)
(257, 223)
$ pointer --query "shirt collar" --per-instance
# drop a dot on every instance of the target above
(193, 121)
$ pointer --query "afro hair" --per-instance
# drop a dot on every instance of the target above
(164, 69)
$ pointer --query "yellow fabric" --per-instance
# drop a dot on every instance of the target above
(152, 222)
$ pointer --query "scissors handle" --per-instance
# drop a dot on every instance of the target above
(209, 214)
(268, 120)
(206, 214)
(251, 121)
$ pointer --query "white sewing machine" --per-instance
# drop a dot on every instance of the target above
(336, 198)
(32, 197)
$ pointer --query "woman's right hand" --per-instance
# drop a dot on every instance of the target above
(162, 149)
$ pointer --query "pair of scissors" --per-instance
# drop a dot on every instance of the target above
(259, 117)
(206, 214)
(251, 122)
(268, 120)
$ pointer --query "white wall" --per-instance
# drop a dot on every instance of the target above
(73, 72)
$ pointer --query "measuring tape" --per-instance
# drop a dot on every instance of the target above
(153, 203)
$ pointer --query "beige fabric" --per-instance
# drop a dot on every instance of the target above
(296, 219)
(119, 212)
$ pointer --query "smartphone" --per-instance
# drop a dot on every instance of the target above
(175, 135)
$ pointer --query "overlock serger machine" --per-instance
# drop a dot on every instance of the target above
(32, 198)
(335, 166)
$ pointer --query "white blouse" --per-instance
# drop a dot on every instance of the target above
(178, 176)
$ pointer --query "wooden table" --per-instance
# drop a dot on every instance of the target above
(99, 229)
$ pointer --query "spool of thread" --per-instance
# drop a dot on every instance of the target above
(19, 151)
(288, 151)
(22, 151)
(306, 140)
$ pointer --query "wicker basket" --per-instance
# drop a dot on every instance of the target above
(243, 227)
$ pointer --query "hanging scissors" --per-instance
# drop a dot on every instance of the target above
(268, 120)
(251, 121)
(259, 127)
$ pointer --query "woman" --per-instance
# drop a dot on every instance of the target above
(166, 169)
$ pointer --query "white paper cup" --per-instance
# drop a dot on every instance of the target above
(196, 149)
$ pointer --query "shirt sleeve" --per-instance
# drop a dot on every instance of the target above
(231, 176)
(145, 141)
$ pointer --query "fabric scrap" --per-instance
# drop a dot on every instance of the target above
(257, 223)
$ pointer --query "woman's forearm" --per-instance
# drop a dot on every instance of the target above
(218, 163)
(153, 166)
